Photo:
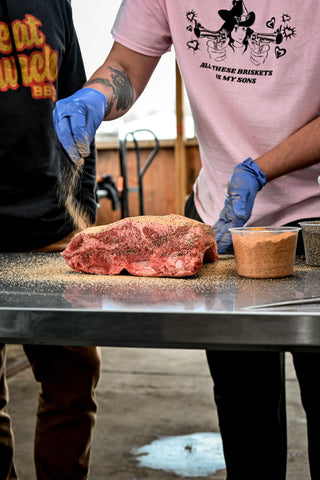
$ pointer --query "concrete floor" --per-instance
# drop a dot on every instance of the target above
(144, 394)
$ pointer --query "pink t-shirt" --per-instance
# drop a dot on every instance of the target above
(251, 70)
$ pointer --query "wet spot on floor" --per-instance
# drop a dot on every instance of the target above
(195, 455)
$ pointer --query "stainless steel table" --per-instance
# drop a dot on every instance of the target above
(42, 301)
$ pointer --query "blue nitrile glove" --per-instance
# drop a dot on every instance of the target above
(76, 119)
(244, 184)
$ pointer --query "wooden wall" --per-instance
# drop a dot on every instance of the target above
(159, 180)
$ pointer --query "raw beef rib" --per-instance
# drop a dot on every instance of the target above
(149, 246)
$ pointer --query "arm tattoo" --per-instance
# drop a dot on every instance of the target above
(123, 93)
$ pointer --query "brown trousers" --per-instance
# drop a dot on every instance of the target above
(66, 412)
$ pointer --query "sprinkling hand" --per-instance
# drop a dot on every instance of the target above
(76, 119)
(244, 184)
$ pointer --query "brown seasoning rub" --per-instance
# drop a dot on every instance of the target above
(174, 220)
(264, 255)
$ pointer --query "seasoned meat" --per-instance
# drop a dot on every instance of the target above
(151, 246)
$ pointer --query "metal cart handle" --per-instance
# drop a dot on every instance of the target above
(140, 171)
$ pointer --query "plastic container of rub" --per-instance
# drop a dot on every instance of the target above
(265, 252)
(311, 241)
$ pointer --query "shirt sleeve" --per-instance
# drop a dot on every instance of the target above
(142, 26)
(72, 74)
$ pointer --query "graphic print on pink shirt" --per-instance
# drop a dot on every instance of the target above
(236, 35)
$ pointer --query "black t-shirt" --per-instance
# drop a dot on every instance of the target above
(42, 65)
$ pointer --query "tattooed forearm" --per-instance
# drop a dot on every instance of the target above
(122, 90)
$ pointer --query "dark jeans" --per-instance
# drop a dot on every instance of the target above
(66, 412)
(249, 391)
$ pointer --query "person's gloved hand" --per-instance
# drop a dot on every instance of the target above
(244, 184)
(76, 119)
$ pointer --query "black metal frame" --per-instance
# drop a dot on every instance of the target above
(125, 209)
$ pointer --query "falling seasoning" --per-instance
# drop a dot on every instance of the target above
(67, 186)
